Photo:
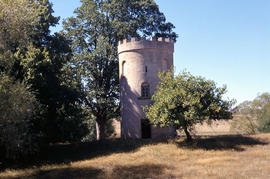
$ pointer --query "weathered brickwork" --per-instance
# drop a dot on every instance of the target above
(139, 64)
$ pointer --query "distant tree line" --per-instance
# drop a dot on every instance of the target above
(252, 117)
(63, 87)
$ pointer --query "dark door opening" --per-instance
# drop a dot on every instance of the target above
(146, 128)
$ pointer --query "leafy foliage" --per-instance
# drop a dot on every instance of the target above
(16, 22)
(29, 53)
(253, 116)
(185, 100)
(95, 32)
(18, 107)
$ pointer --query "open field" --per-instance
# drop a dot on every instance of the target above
(232, 156)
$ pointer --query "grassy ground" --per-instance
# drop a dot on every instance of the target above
(231, 156)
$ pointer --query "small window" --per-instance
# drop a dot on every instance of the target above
(145, 90)
(145, 69)
(123, 68)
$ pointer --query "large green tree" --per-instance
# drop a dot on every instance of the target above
(95, 32)
(17, 102)
(186, 100)
(30, 53)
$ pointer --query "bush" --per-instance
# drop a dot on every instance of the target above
(17, 109)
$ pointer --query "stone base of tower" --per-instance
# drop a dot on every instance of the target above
(135, 130)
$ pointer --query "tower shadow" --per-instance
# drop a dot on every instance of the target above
(130, 126)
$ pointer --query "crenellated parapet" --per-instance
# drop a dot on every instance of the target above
(140, 44)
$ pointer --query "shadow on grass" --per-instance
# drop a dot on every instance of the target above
(88, 172)
(66, 153)
(116, 172)
(225, 142)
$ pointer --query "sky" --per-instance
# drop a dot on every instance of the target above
(227, 41)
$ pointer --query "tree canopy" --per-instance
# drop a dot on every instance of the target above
(95, 32)
(186, 100)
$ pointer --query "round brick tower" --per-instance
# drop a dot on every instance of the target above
(139, 64)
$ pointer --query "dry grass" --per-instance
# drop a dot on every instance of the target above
(220, 127)
(206, 157)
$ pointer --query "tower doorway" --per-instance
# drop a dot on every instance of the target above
(146, 129)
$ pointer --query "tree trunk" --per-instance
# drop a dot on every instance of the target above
(189, 138)
(100, 128)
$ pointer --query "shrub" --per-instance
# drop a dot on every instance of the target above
(17, 109)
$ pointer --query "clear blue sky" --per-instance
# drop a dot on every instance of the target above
(227, 41)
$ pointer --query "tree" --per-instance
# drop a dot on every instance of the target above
(30, 53)
(253, 116)
(95, 32)
(17, 21)
(263, 112)
(18, 105)
(16, 25)
(186, 100)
